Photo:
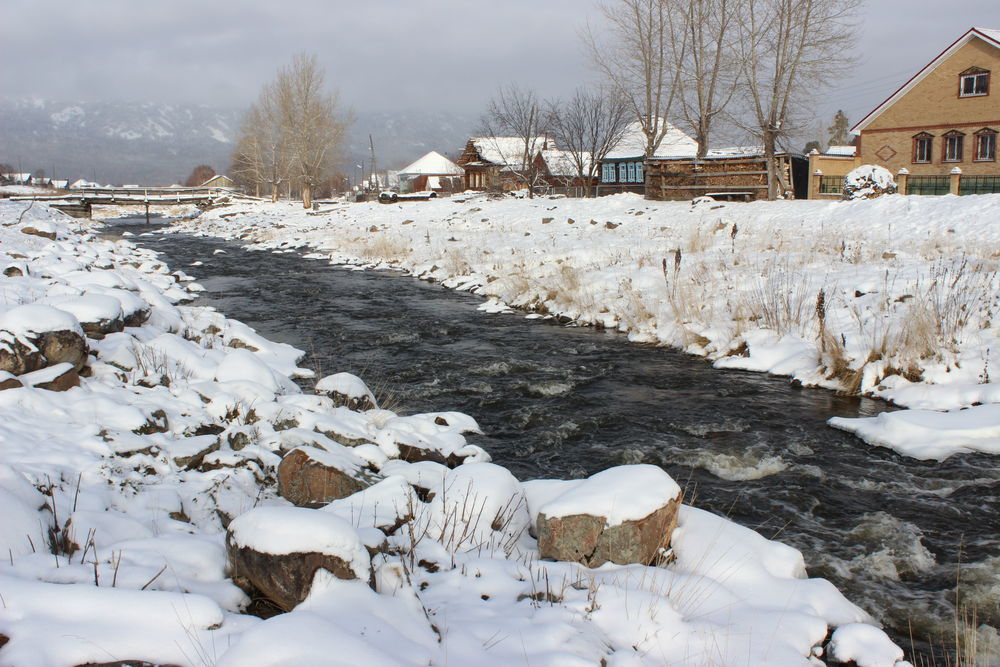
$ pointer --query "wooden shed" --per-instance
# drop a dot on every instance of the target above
(737, 173)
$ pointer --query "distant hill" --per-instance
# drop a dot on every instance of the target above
(147, 144)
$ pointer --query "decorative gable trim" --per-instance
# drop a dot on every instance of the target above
(922, 74)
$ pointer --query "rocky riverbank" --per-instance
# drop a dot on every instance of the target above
(162, 475)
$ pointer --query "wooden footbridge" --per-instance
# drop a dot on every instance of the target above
(80, 203)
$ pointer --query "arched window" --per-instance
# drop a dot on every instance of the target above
(923, 144)
(986, 145)
(953, 146)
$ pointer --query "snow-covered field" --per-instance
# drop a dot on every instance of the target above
(117, 493)
(896, 297)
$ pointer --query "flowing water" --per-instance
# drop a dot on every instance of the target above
(894, 534)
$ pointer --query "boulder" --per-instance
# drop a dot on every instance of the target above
(61, 377)
(44, 233)
(63, 347)
(622, 515)
(313, 477)
(16, 357)
(8, 381)
(347, 390)
(276, 551)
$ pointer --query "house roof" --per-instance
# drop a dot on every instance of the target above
(848, 151)
(215, 178)
(989, 35)
(563, 163)
(633, 144)
(508, 152)
(433, 163)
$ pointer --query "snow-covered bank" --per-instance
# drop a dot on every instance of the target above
(117, 492)
(895, 297)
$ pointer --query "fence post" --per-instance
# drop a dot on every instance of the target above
(956, 180)
(902, 177)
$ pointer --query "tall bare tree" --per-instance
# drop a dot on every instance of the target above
(641, 58)
(709, 64)
(291, 135)
(587, 127)
(517, 113)
(789, 48)
(314, 123)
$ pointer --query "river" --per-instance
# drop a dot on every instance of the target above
(893, 533)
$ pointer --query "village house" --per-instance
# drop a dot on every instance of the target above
(501, 164)
(433, 172)
(560, 171)
(938, 132)
(219, 181)
(623, 168)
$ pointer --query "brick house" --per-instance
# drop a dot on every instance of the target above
(938, 132)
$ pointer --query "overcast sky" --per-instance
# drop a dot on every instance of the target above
(384, 54)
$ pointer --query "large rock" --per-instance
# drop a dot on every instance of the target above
(276, 551)
(347, 390)
(622, 515)
(313, 477)
(34, 336)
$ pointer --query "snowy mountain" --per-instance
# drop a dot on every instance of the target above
(146, 143)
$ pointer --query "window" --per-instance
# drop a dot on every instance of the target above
(622, 172)
(986, 145)
(922, 146)
(953, 146)
(639, 177)
(974, 82)
(631, 172)
(608, 173)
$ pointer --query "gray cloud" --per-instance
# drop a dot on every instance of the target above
(382, 54)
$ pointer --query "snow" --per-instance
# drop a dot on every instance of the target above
(346, 384)
(929, 434)
(432, 163)
(633, 143)
(289, 530)
(864, 645)
(868, 180)
(849, 151)
(177, 430)
(624, 493)
(508, 152)
(32, 319)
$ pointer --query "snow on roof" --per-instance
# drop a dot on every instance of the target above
(633, 144)
(563, 163)
(214, 178)
(508, 151)
(850, 151)
(989, 35)
(433, 163)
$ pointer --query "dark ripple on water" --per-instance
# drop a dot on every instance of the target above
(565, 402)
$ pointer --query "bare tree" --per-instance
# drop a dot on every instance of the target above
(515, 124)
(314, 124)
(291, 135)
(641, 58)
(709, 65)
(783, 45)
(587, 127)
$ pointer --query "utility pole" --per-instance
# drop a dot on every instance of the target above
(374, 171)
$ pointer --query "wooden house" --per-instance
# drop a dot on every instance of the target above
(559, 171)
(433, 172)
(501, 164)
(623, 168)
(219, 181)
(938, 131)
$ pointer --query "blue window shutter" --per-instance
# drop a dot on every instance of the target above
(631, 172)
(639, 177)
(622, 173)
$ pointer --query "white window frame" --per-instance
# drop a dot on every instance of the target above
(973, 78)
(608, 172)
(631, 172)
(953, 148)
(987, 141)
(622, 172)
(640, 176)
